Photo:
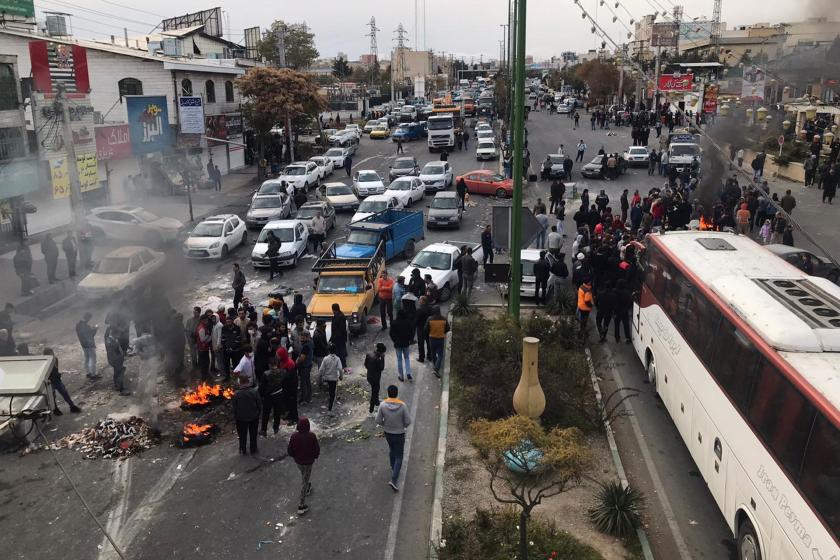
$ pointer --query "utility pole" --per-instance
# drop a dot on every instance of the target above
(401, 40)
(62, 108)
(518, 172)
(374, 50)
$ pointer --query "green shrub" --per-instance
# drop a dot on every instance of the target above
(617, 510)
(462, 306)
(493, 535)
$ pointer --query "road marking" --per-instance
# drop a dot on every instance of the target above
(396, 512)
(652, 470)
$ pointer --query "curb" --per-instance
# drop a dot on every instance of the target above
(436, 529)
(622, 475)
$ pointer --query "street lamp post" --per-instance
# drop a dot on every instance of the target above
(518, 145)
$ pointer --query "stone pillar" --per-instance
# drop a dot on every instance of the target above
(529, 399)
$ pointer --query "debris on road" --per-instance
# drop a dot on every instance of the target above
(194, 435)
(111, 439)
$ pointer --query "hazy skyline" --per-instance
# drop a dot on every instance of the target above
(468, 27)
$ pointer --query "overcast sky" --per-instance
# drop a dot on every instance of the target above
(466, 27)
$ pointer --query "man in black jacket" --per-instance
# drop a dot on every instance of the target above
(247, 406)
(50, 251)
(22, 262)
(339, 335)
(231, 345)
(271, 252)
(402, 331)
(69, 248)
(375, 364)
(558, 189)
(542, 271)
(424, 311)
(622, 306)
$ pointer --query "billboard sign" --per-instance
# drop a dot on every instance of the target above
(48, 128)
(23, 8)
(233, 121)
(148, 123)
(58, 63)
(87, 167)
(752, 84)
(664, 35)
(216, 127)
(676, 82)
(191, 114)
(113, 142)
(211, 20)
(710, 99)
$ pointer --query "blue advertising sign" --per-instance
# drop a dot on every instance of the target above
(148, 123)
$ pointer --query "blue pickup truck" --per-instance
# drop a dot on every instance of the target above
(399, 230)
(409, 131)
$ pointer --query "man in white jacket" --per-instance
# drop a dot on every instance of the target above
(330, 373)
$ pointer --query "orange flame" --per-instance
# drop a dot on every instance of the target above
(705, 225)
(193, 430)
(204, 392)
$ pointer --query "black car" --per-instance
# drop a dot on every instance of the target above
(593, 169)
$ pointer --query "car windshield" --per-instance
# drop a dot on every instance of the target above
(439, 124)
(685, 150)
(306, 213)
(556, 158)
(638, 151)
(317, 161)
(486, 146)
(334, 152)
(338, 190)
(435, 261)
(381, 128)
(361, 237)
(596, 161)
(296, 170)
(496, 178)
(112, 265)
(433, 169)
(270, 188)
(400, 186)
(527, 268)
(404, 164)
(448, 203)
(145, 216)
(283, 235)
(340, 284)
(267, 202)
(207, 230)
(373, 206)
(368, 177)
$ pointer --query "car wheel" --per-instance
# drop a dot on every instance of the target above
(224, 252)
(445, 293)
(408, 204)
(748, 547)
(409, 249)
(650, 372)
(501, 193)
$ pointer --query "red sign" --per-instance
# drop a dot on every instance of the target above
(671, 82)
(781, 140)
(112, 142)
(215, 127)
(710, 99)
(58, 63)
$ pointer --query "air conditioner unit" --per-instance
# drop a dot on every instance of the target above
(56, 26)
(171, 47)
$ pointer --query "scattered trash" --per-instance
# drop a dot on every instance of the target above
(111, 439)
(259, 544)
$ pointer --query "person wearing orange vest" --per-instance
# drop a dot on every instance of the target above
(584, 304)
(385, 291)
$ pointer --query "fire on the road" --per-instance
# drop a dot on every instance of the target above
(204, 394)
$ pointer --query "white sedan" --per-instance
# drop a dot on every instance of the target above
(132, 224)
(373, 204)
(122, 272)
(367, 182)
(293, 236)
(325, 166)
(304, 175)
(407, 190)
(215, 237)
(485, 149)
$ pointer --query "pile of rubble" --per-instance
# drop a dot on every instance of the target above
(111, 439)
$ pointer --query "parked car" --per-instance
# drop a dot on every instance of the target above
(485, 150)
(485, 181)
(436, 175)
(338, 155)
(367, 182)
(341, 197)
(274, 186)
(528, 258)
(133, 224)
(344, 138)
(306, 212)
(266, 208)
(325, 166)
(407, 190)
(215, 237)
(445, 210)
(440, 261)
(381, 131)
(373, 204)
(637, 156)
(122, 272)
(593, 169)
(303, 175)
(794, 255)
(293, 236)
(484, 134)
(556, 171)
(354, 128)
(402, 167)
(370, 125)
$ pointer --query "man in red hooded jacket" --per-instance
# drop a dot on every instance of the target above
(289, 385)
(304, 449)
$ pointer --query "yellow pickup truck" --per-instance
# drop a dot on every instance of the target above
(351, 283)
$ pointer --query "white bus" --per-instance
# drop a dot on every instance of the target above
(744, 350)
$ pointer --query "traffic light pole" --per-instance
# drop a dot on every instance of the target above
(517, 171)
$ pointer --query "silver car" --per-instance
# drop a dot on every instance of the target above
(265, 208)
(445, 210)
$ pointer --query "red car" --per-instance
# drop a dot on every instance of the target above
(485, 181)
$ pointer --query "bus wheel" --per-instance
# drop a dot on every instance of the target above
(748, 548)
(651, 371)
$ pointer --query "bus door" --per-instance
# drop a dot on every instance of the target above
(710, 453)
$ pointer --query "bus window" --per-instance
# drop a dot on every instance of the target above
(820, 480)
(734, 364)
(782, 417)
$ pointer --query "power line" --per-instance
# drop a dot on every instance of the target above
(134, 9)
(68, 5)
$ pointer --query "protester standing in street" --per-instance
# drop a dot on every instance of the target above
(385, 291)
(203, 342)
(469, 268)
(319, 233)
(788, 202)
(374, 366)
(50, 251)
(542, 272)
(304, 449)
(69, 248)
(238, 284)
(271, 251)
(338, 335)
(393, 415)
(436, 328)
(330, 373)
(247, 408)
(348, 164)
(304, 367)
(190, 332)
(271, 391)
(86, 334)
(461, 191)
(59, 387)
(116, 359)
(424, 311)
(402, 331)
(487, 245)
(22, 262)
(581, 149)
(585, 303)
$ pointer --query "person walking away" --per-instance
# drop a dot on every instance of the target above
(581, 149)
(487, 245)
(374, 366)
(830, 185)
(348, 164)
(810, 169)
(606, 308)
(739, 155)
(247, 409)
(577, 120)
(466, 137)
(788, 202)
(622, 307)
(393, 415)
(86, 334)
(271, 391)
(424, 311)
(436, 328)
(398, 293)
(625, 206)
(116, 359)
(320, 344)
(22, 262)
(402, 331)
(556, 192)
(69, 248)
(59, 387)
(568, 164)
(469, 268)
(555, 241)
(289, 383)
(542, 218)
(339, 336)
(304, 367)
(50, 251)
(461, 191)
(653, 159)
(584, 304)
(765, 232)
(272, 250)
(304, 449)
(238, 285)
(319, 233)
(399, 145)
(385, 291)
(542, 271)
(330, 373)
